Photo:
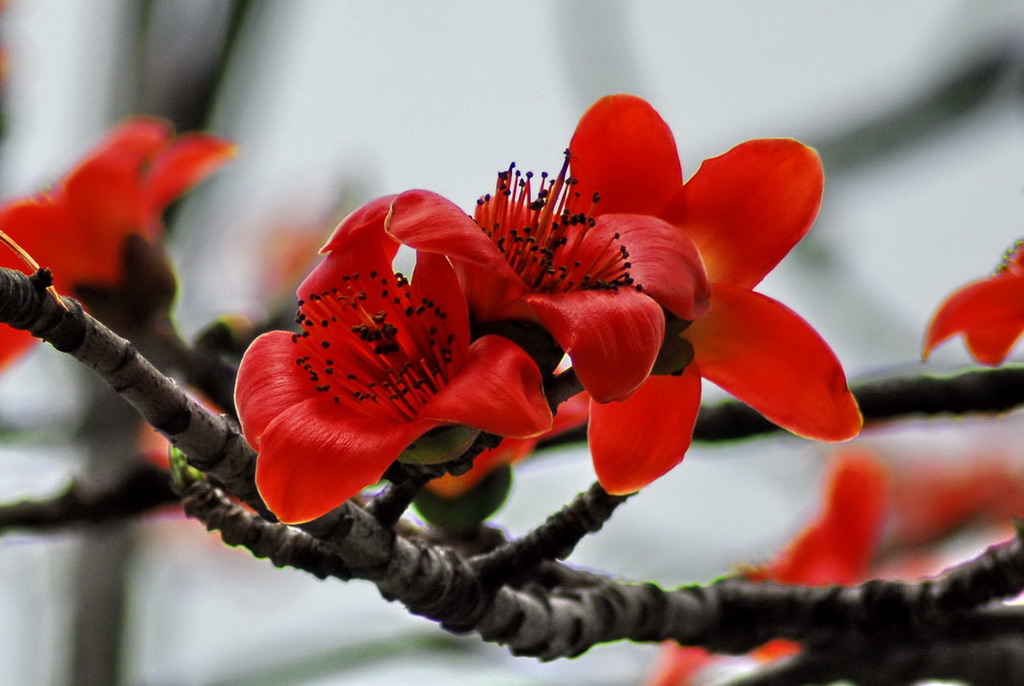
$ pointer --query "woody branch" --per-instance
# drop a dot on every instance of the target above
(533, 618)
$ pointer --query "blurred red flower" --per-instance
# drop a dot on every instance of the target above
(836, 548)
(106, 213)
(380, 361)
(989, 313)
(744, 211)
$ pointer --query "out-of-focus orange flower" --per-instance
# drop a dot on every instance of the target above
(98, 227)
(744, 211)
(989, 313)
(929, 499)
(836, 548)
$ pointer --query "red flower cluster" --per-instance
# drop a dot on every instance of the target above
(91, 224)
(644, 282)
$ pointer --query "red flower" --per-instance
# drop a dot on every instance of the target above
(989, 313)
(838, 546)
(81, 227)
(380, 361)
(744, 211)
(533, 252)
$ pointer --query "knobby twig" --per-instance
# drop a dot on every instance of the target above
(987, 391)
(729, 616)
(556, 539)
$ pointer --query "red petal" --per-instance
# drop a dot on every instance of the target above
(635, 441)
(679, 665)
(767, 356)
(992, 346)
(426, 221)
(269, 384)
(624, 151)
(989, 312)
(361, 236)
(13, 344)
(839, 546)
(435, 280)
(612, 337)
(105, 205)
(188, 161)
(314, 457)
(487, 295)
(747, 208)
(48, 233)
(497, 390)
(662, 259)
(105, 192)
(131, 145)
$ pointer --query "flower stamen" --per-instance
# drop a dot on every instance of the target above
(542, 234)
(397, 350)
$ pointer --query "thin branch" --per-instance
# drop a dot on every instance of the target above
(282, 545)
(142, 489)
(388, 506)
(988, 391)
(556, 539)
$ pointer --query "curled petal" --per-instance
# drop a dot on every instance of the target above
(487, 296)
(612, 337)
(360, 236)
(636, 440)
(747, 208)
(497, 390)
(990, 314)
(662, 259)
(269, 384)
(767, 356)
(188, 161)
(429, 222)
(624, 151)
(312, 458)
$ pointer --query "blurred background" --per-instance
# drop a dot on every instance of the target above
(917, 108)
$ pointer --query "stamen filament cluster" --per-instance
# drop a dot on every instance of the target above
(370, 342)
(542, 236)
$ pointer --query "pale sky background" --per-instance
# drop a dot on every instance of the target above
(342, 101)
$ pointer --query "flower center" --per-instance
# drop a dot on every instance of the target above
(541, 234)
(1013, 261)
(372, 347)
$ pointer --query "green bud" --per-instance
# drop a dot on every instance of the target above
(464, 513)
(182, 474)
(443, 444)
